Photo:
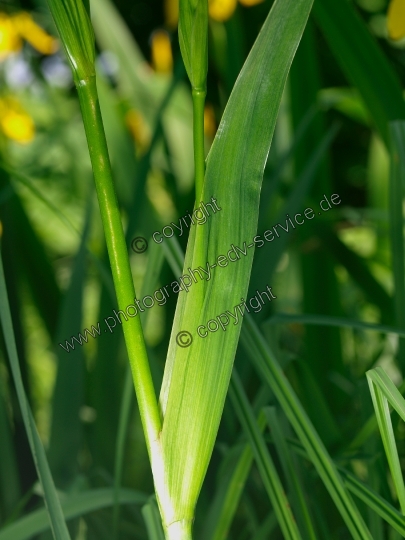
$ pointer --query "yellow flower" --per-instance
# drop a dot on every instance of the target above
(10, 40)
(15, 28)
(34, 34)
(15, 122)
(162, 59)
(138, 128)
(396, 19)
(221, 10)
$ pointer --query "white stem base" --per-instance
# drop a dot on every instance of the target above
(179, 530)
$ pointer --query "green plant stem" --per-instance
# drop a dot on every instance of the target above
(119, 261)
(198, 137)
(179, 530)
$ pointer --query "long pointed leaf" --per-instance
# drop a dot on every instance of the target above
(259, 352)
(264, 462)
(58, 525)
(385, 393)
(73, 506)
(362, 61)
(196, 378)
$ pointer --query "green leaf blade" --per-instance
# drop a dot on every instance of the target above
(196, 378)
(264, 461)
(257, 348)
(55, 514)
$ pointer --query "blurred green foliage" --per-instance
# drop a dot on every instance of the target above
(332, 136)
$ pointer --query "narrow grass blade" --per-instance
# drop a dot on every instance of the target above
(397, 182)
(316, 265)
(329, 320)
(374, 501)
(385, 393)
(166, 112)
(260, 354)
(266, 528)
(196, 379)
(263, 459)
(296, 494)
(119, 141)
(173, 254)
(28, 183)
(362, 61)
(231, 483)
(73, 506)
(376, 472)
(55, 514)
(268, 259)
(10, 485)
(145, 162)
(358, 269)
(123, 422)
(31, 255)
(68, 395)
(272, 181)
(368, 429)
(227, 497)
(313, 399)
(141, 85)
(152, 520)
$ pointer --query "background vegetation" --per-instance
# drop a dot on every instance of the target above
(339, 279)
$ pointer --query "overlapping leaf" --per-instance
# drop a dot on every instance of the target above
(196, 378)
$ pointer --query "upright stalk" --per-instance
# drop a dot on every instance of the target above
(193, 39)
(72, 19)
(118, 255)
(198, 136)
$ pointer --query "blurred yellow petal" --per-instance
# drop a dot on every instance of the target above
(221, 10)
(10, 40)
(3, 107)
(210, 125)
(162, 59)
(396, 19)
(171, 13)
(138, 128)
(15, 122)
(34, 34)
(249, 3)
(18, 126)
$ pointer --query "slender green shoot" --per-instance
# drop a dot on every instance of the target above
(384, 393)
(193, 38)
(264, 461)
(74, 26)
(54, 510)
